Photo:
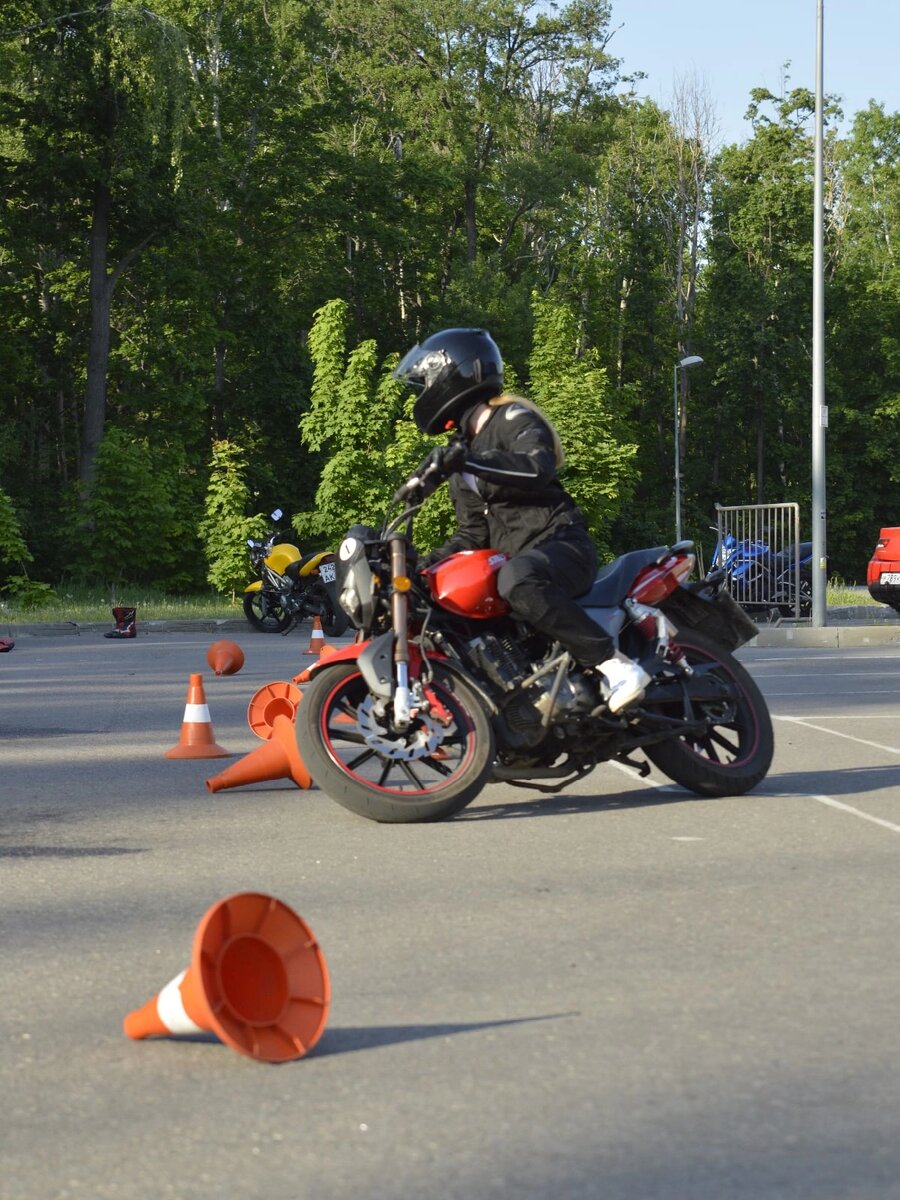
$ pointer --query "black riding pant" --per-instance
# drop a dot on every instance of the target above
(539, 585)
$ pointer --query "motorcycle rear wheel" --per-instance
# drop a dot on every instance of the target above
(735, 751)
(371, 781)
(264, 614)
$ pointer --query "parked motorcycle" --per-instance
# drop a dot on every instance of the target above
(448, 692)
(292, 586)
(760, 579)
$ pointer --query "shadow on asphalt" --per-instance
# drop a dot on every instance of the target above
(371, 1037)
(846, 781)
(563, 805)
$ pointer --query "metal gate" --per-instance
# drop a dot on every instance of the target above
(767, 567)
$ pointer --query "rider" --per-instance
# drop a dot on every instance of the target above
(507, 495)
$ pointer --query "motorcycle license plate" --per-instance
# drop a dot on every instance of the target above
(327, 572)
(890, 577)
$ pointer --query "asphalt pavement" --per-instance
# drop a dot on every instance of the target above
(621, 993)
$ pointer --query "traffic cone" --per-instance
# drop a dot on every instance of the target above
(277, 758)
(225, 658)
(273, 700)
(316, 638)
(197, 739)
(257, 980)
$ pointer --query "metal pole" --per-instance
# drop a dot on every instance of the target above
(677, 456)
(819, 408)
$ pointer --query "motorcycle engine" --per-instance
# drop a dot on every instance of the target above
(503, 661)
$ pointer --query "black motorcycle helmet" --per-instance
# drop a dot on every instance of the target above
(451, 372)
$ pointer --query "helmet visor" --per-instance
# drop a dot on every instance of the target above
(420, 368)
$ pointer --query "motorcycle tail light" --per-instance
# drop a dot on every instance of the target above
(655, 583)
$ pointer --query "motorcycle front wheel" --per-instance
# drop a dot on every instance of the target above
(263, 614)
(734, 751)
(427, 772)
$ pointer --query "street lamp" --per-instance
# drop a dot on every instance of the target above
(692, 360)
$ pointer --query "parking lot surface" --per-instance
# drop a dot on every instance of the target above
(620, 992)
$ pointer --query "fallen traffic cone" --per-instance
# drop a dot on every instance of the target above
(257, 980)
(316, 638)
(197, 739)
(276, 758)
(273, 700)
(225, 658)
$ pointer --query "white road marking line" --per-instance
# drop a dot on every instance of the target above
(837, 733)
(844, 692)
(856, 812)
(632, 774)
(821, 799)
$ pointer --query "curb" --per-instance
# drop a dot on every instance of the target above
(848, 627)
(64, 628)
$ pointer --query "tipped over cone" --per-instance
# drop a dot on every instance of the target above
(225, 658)
(276, 758)
(257, 980)
(197, 739)
(278, 699)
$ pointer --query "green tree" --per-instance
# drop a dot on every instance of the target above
(13, 550)
(353, 408)
(226, 526)
(569, 384)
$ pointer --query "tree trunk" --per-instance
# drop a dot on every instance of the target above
(100, 296)
(471, 222)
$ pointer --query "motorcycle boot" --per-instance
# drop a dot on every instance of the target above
(627, 681)
(126, 623)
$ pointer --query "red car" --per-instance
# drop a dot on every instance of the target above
(883, 575)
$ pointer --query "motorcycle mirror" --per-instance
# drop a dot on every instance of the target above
(277, 514)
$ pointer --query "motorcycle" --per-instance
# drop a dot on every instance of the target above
(292, 586)
(760, 579)
(447, 692)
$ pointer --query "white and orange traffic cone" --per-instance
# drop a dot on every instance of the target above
(277, 758)
(316, 638)
(225, 658)
(197, 738)
(275, 699)
(257, 980)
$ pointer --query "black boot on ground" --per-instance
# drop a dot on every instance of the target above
(126, 625)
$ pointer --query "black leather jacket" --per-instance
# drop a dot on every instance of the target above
(519, 501)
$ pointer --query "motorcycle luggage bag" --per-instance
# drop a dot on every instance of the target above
(715, 614)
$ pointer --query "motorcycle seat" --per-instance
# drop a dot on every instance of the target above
(293, 571)
(613, 581)
(787, 554)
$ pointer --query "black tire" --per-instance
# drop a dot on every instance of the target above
(263, 615)
(376, 785)
(735, 752)
(334, 621)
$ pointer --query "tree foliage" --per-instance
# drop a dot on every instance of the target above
(221, 223)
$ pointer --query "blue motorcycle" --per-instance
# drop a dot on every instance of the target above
(760, 579)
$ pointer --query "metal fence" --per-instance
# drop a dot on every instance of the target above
(767, 567)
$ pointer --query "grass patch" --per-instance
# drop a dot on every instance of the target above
(86, 606)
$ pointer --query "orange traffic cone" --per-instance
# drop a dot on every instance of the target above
(276, 758)
(225, 658)
(316, 638)
(273, 700)
(257, 979)
(197, 739)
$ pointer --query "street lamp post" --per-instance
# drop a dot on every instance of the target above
(692, 360)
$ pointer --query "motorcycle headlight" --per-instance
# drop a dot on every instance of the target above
(351, 603)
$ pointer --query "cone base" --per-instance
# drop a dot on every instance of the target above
(212, 750)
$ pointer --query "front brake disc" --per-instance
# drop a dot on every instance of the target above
(420, 744)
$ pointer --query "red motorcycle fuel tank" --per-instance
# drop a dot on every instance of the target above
(466, 583)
